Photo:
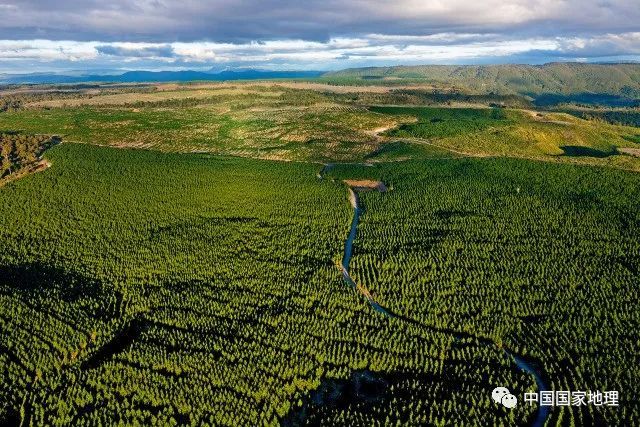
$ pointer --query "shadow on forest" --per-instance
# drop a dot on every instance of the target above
(578, 151)
(10, 418)
(365, 392)
(364, 387)
(603, 99)
(196, 225)
(120, 342)
(454, 213)
(35, 281)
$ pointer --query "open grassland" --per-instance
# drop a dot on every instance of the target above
(306, 121)
(205, 90)
(297, 125)
(141, 287)
(517, 133)
(155, 96)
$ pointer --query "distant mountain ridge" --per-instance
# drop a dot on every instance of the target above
(571, 81)
(157, 76)
(622, 79)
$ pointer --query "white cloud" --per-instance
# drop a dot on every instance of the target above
(47, 50)
(312, 33)
(602, 45)
(339, 52)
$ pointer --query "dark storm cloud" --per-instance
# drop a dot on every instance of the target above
(38, 35)
(243, 20)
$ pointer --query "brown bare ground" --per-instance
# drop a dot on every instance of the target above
(377, 132)
(163, 95)
(365, 184)
(544, 118)
(630, 151)
(37, 167)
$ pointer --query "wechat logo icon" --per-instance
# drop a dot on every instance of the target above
(503, 396)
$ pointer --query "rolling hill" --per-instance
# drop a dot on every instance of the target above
(558, 78)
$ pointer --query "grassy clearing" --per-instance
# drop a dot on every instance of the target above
(265, 126)
(313, 122)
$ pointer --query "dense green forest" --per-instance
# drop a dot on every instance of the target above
(445, 122)
(159, 281)
(155, 288)
(536, 258)
(158, 288)
(629, 117)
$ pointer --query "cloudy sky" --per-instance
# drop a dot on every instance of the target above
(99, 35)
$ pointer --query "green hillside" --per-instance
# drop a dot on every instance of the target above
(556, 78)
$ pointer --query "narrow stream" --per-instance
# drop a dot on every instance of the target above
(348, 246)
(348, 251)
(543, 411)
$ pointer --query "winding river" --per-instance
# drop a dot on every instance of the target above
(348, 251)
(543, 412)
